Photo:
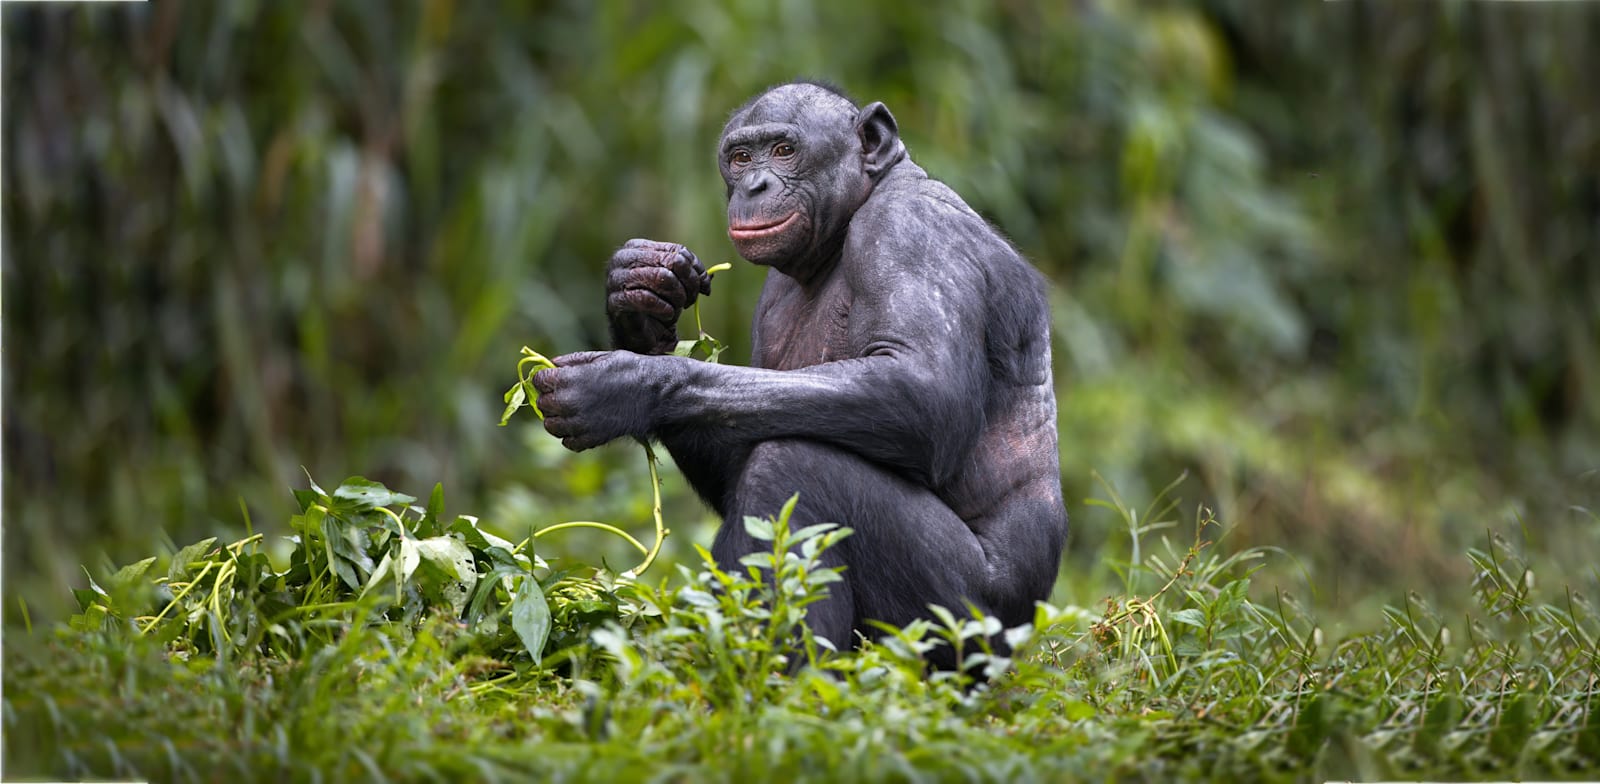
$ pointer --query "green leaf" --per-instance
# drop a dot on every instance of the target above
(1191, 617)
(308, 525)
(823, 577)
(348, 544)
(314, 487)
(87, 597)
(435, 509)
(378, 574)
(1517, 721)
(129, 578)
(179, 568)
(708, 347)
(305, 498)
(502, 556)
(364, 494)
(788, 510)
(495, 541)
(1230, 597)
(530, 618)
(812, 531)
(759, 528)
(1188, 646)
(505, 576)
(347, 573)
(477, 538)
(330, 534)
(515, 398)
(92, 619)
(409, 559)
(455, 569)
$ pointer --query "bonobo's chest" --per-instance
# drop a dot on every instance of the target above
(796, 329)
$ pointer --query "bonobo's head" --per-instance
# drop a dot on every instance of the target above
(799, 160)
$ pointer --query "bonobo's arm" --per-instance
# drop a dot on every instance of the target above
(912, 399)
(898, 405)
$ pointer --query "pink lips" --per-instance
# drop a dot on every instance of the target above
(758, 231)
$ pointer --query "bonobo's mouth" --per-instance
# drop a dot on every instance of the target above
(755, 231)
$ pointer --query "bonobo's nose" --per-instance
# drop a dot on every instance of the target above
(756, 183)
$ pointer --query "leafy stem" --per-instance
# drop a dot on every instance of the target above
(655, 488)
(176, 598)
(711, 272)
(592, 524)
(523, 393)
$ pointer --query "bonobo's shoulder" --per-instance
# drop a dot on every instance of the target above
(909, 195)
(912, 213)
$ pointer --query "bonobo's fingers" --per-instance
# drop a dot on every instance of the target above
(646, 253)
(633, 256)
(549, 380)
(652, 245)
(545, 382)
(579, 358)
(641, 322)
(572, 436)
(659, 281)
(691, 273)
(580, 443)
(638, 302)
(594, 397)
(559, 426)
(668, 255)
(643, 334)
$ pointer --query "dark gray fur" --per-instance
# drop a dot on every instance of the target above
(900, 380)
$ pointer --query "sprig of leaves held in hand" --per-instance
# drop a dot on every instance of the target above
(523, 393)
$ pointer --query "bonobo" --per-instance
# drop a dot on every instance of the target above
(900, 378)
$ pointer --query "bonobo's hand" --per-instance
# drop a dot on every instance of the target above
(648, 284)
(592, 397)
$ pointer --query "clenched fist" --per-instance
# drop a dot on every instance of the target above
(648, 284)
(592, 397)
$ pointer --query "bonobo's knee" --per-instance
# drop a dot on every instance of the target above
(779, 468)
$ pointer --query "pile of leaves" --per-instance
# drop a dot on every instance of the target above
(361, 551)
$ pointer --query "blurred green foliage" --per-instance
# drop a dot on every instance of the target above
(1341, 262)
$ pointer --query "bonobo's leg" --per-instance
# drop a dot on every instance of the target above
(908, 549)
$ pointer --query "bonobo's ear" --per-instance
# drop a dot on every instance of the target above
(880, 139)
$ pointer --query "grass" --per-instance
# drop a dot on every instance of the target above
(199, 672)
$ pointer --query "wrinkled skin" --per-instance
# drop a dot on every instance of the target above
(900, 378)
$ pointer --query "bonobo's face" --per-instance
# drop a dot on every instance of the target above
(792, 161)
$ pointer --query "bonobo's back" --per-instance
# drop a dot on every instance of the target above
(1017, 334)
(1009, 489)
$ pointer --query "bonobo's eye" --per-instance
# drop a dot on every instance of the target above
(741, 157)
(783, 150)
